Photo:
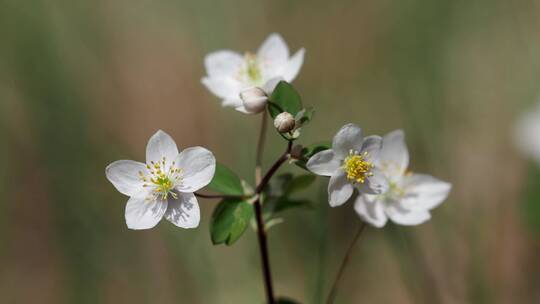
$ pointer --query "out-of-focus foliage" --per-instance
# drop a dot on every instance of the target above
(83, 83)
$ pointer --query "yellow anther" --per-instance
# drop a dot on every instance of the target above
(162, 182)
(358, 167)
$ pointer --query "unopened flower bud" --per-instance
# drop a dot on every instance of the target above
(254, 99)
(284, 122)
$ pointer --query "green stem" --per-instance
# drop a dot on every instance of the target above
(261, 233)
(348, 254)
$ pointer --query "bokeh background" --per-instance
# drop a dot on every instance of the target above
(84, 83)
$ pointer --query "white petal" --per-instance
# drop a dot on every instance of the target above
(274, 52)
(223, 87)
(161, 145)
(394, 156)
(293, 66)
(349, 137)
(527, 133)
(184, 211)
(323, 163)
(232, 102)
(370, 210)
(124, 175)
(375, 184)
(424, 192)
(402, 216)
(223, 63)
(242, 108)
(144, 214)
(339, 189)
(198, 166)
(372, 145)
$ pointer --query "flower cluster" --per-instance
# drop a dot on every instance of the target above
(371, 170)
(374, 166)
(377, 168)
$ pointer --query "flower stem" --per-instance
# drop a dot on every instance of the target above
(260, 148)
(266, 178)
(261, 233)
(263, 247)
(333, 291)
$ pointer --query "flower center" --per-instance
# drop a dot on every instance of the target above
(395, 192)
(357, 167)
(253, 70)
(162, 180)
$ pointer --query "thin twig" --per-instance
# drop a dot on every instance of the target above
(266, 178)
(333, 291)
(260, 149)
(263, 246)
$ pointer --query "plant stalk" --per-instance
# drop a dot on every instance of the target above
(261, 233)
(348, 254)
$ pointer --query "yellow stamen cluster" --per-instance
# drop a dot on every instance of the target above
(357, 167)
(162, 181)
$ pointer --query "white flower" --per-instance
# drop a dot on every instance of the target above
(350, 164)
(229, 72)
(163, 186)
(410, 196)
(527, 133)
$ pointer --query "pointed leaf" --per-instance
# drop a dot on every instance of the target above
(284, 98)
(225, 181)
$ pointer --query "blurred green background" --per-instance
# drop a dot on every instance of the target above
(84, 83)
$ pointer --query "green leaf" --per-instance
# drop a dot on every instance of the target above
(277, 194)
(284, 204)
(284, 98)
(286, 301)
(277, 185)
(298, 183)
(225, 181)
(229, 221)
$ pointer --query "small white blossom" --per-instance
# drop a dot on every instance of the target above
(350, 164)
(254, 99)
(410, 196)
(164, 186)
(229, 73)
(527, 133)
(284, 122)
